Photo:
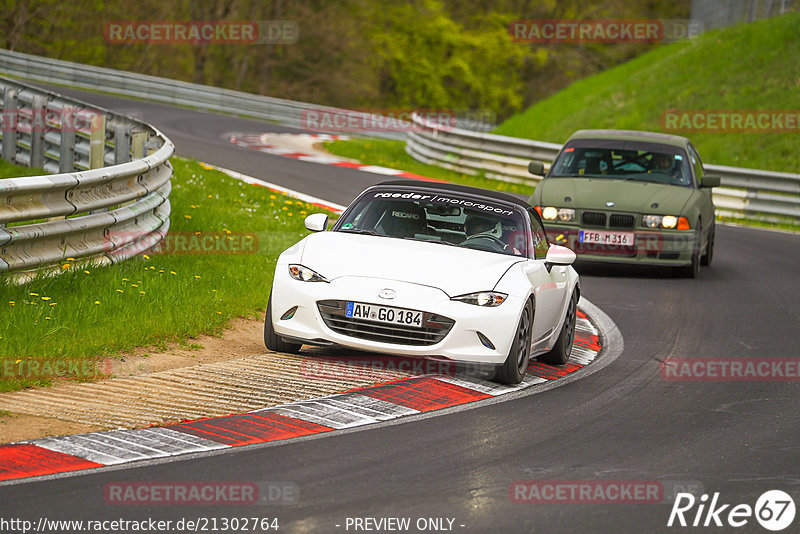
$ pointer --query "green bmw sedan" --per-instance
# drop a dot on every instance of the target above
(629, 197)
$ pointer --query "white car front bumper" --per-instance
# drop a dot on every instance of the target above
(460, 343)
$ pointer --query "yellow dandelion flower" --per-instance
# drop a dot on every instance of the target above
(97, 302)
(134, 285)
(53, 303)
(290, 214)
(45, 298)
(33, 294)
(120, 291)
(172, 272)
(87, 272)
(197, 233)
(161, 270)
(196, 277)
(146, 256)
(187, 216)
(70, 259)
(124, 279)
(48, 318)
(209, 196)
(152, 268)
(65, 266)
(11, 302)
(219, 313)
(141, 292)
(288, 202)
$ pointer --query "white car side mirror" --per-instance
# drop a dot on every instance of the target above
(317, 222)
(558, 255)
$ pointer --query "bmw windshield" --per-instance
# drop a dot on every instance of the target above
(446, 219)
(644, 162)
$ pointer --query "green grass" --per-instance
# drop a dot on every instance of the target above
(392, 154)
(91, 312)
(10, 170)
(744, 67)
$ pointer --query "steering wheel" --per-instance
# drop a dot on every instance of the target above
(492, 240)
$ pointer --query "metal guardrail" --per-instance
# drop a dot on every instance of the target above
(287, 112)
(745, 193)
(110, 197)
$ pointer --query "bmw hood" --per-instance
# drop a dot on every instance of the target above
(454, 270)
(627, 195)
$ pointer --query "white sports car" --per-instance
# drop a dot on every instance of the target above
(429, 270)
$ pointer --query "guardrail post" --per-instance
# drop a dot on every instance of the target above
(122, 142)
(66, 154)
(97, 142)
(38, 126)
(10, 121)
(137, 144)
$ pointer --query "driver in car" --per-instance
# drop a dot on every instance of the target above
(665, 164)
(477, 226)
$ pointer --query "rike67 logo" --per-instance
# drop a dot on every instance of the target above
(774, 510)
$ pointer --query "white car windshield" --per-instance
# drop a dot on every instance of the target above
(440, 218)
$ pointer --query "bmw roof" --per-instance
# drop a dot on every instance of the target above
(631, 135)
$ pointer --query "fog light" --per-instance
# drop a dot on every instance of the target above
(289, 313)
(485, 341)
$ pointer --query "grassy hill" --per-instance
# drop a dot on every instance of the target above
(744, 67)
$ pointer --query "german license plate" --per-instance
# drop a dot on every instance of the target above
(383, 314)
(606, 238)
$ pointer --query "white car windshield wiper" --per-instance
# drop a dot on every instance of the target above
(360, 231)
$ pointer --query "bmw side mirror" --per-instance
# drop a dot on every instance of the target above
(317, 222)
(536, 167)
(711, 181)
(558, 255)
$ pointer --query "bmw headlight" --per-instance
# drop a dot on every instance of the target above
(304, 274)
(670, 222)
(483, 298)
(551, 213)
(652, 221)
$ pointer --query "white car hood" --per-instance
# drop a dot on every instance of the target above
(456, 271)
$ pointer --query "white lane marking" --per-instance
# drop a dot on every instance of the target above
(338, 208)
(376, 169)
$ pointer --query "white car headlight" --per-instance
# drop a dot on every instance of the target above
(304, 274)
(483, 298)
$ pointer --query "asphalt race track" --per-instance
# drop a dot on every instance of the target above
(624, 423)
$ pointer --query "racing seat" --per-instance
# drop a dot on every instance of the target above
(403, 219)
